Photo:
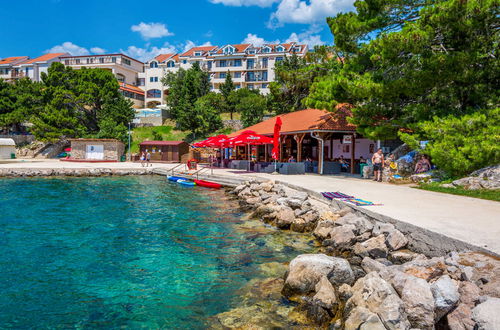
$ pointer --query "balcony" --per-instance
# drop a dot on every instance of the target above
(256, 78)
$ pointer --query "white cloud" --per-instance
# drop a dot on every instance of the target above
(309, 37)
(307, 12)
(151, 30)
(68, 47)
(147, 53)
(246, 3)
(257, 41)
(97, 50)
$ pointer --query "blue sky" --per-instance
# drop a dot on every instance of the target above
(142, 29)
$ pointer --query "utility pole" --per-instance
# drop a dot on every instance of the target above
(129, 135)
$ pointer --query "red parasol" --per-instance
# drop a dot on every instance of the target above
(67, 149)
(250, 138)
(276, 139)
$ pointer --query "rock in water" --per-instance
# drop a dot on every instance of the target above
(446, 295)
(362, 318)
(487, 314)
(284, 218)
(325, 294)
(306, 270)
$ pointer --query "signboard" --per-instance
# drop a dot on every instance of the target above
(95, 151)
(347, 139)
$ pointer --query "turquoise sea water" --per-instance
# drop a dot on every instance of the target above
(131, 252)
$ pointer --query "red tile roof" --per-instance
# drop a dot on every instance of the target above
(10, 60)
(307, 120)
(163, 57)
(131, 88)
(161, 143)
(44, 58)
(198, 49)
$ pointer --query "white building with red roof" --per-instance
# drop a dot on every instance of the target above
(33, 68)
(249, 66)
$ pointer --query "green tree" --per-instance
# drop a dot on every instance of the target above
(408, 61)
(460, 145)
(252, 109)
(18, 102)
(226, 89)
(185, 87)
(201, 118)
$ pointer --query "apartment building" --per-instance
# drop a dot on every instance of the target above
(249, 66)
(23, 66)
(126, 70)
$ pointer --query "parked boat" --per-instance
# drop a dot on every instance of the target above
(186, 182)
(207, 184)
(174, 178)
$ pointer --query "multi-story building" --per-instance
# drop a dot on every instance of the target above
(249, 66)
(23, 66)
(126, 70)
(7, 71)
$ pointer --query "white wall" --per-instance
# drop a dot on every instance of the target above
(362, 148)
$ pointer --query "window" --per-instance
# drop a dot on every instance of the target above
(141, 82)
(170, 64)
(280, 49)
(238, 86)
(126, 61)
(120, 77)
(153, 79)
(90, 60)
(266, 50)
(264, 62)
(237, 62)
(101, 59)
(113, 59)
(153, 93)
(279, 58)
(153, 64)
(209, 65)
(184, 61)
(237, 74)
(66, 62)
(222, 75)
(250, 63)
(229, 50)
(222, 63)
(250, 86)
(251, 76)
(197, 53)
(297, 49)
(77, 61)
(264, 85)
(251, 51)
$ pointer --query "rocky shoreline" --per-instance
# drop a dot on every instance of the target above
(76, 172)
(364, 275)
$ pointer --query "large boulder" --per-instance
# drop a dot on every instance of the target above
(418, 303)
(323, 229)
(361, 224)
(487, 314)
(362, 318)
(342, 236)
(375, 247)
(284, 218)
(299, 195)
(379, 297)
(445, 292)
(306, 270)
(396, 240)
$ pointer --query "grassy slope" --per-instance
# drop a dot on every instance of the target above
(493, 195)
(164, 133)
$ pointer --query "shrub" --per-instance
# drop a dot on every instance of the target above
(460, 145)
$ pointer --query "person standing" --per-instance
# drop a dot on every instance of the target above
(148, 159)
(378, 165)
(143, 158)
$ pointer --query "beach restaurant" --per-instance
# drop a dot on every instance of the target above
(310, 141)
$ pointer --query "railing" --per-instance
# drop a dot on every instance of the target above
(173, 169)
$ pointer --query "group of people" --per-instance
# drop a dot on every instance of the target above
(146, 158)
(379, 162)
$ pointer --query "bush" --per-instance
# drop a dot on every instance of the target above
(461, 145)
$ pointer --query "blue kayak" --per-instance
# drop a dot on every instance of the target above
(174, 178)
(186, 182)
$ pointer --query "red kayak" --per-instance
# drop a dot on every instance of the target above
(207, 184)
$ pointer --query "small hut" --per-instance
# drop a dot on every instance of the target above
(7, 148)
(166, 151)
(107, 150)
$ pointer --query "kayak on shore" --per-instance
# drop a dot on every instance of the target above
(207, 184)
(186, 182)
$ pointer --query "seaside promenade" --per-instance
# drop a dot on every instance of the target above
(471, 220)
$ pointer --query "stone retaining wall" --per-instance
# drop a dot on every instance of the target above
(42, 172)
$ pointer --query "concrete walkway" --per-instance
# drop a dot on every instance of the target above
(474, 221)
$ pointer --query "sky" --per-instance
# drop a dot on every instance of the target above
(145, 28)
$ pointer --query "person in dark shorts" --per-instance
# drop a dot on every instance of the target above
(378, 165)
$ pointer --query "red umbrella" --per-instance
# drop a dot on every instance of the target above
(67, 149)
(276, 139)
(251, 138)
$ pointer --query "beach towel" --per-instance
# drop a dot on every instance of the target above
(347, 198)
(337, 195)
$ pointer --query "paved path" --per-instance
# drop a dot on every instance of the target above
(471, 220)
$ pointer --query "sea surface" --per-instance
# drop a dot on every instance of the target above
(127, 252)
